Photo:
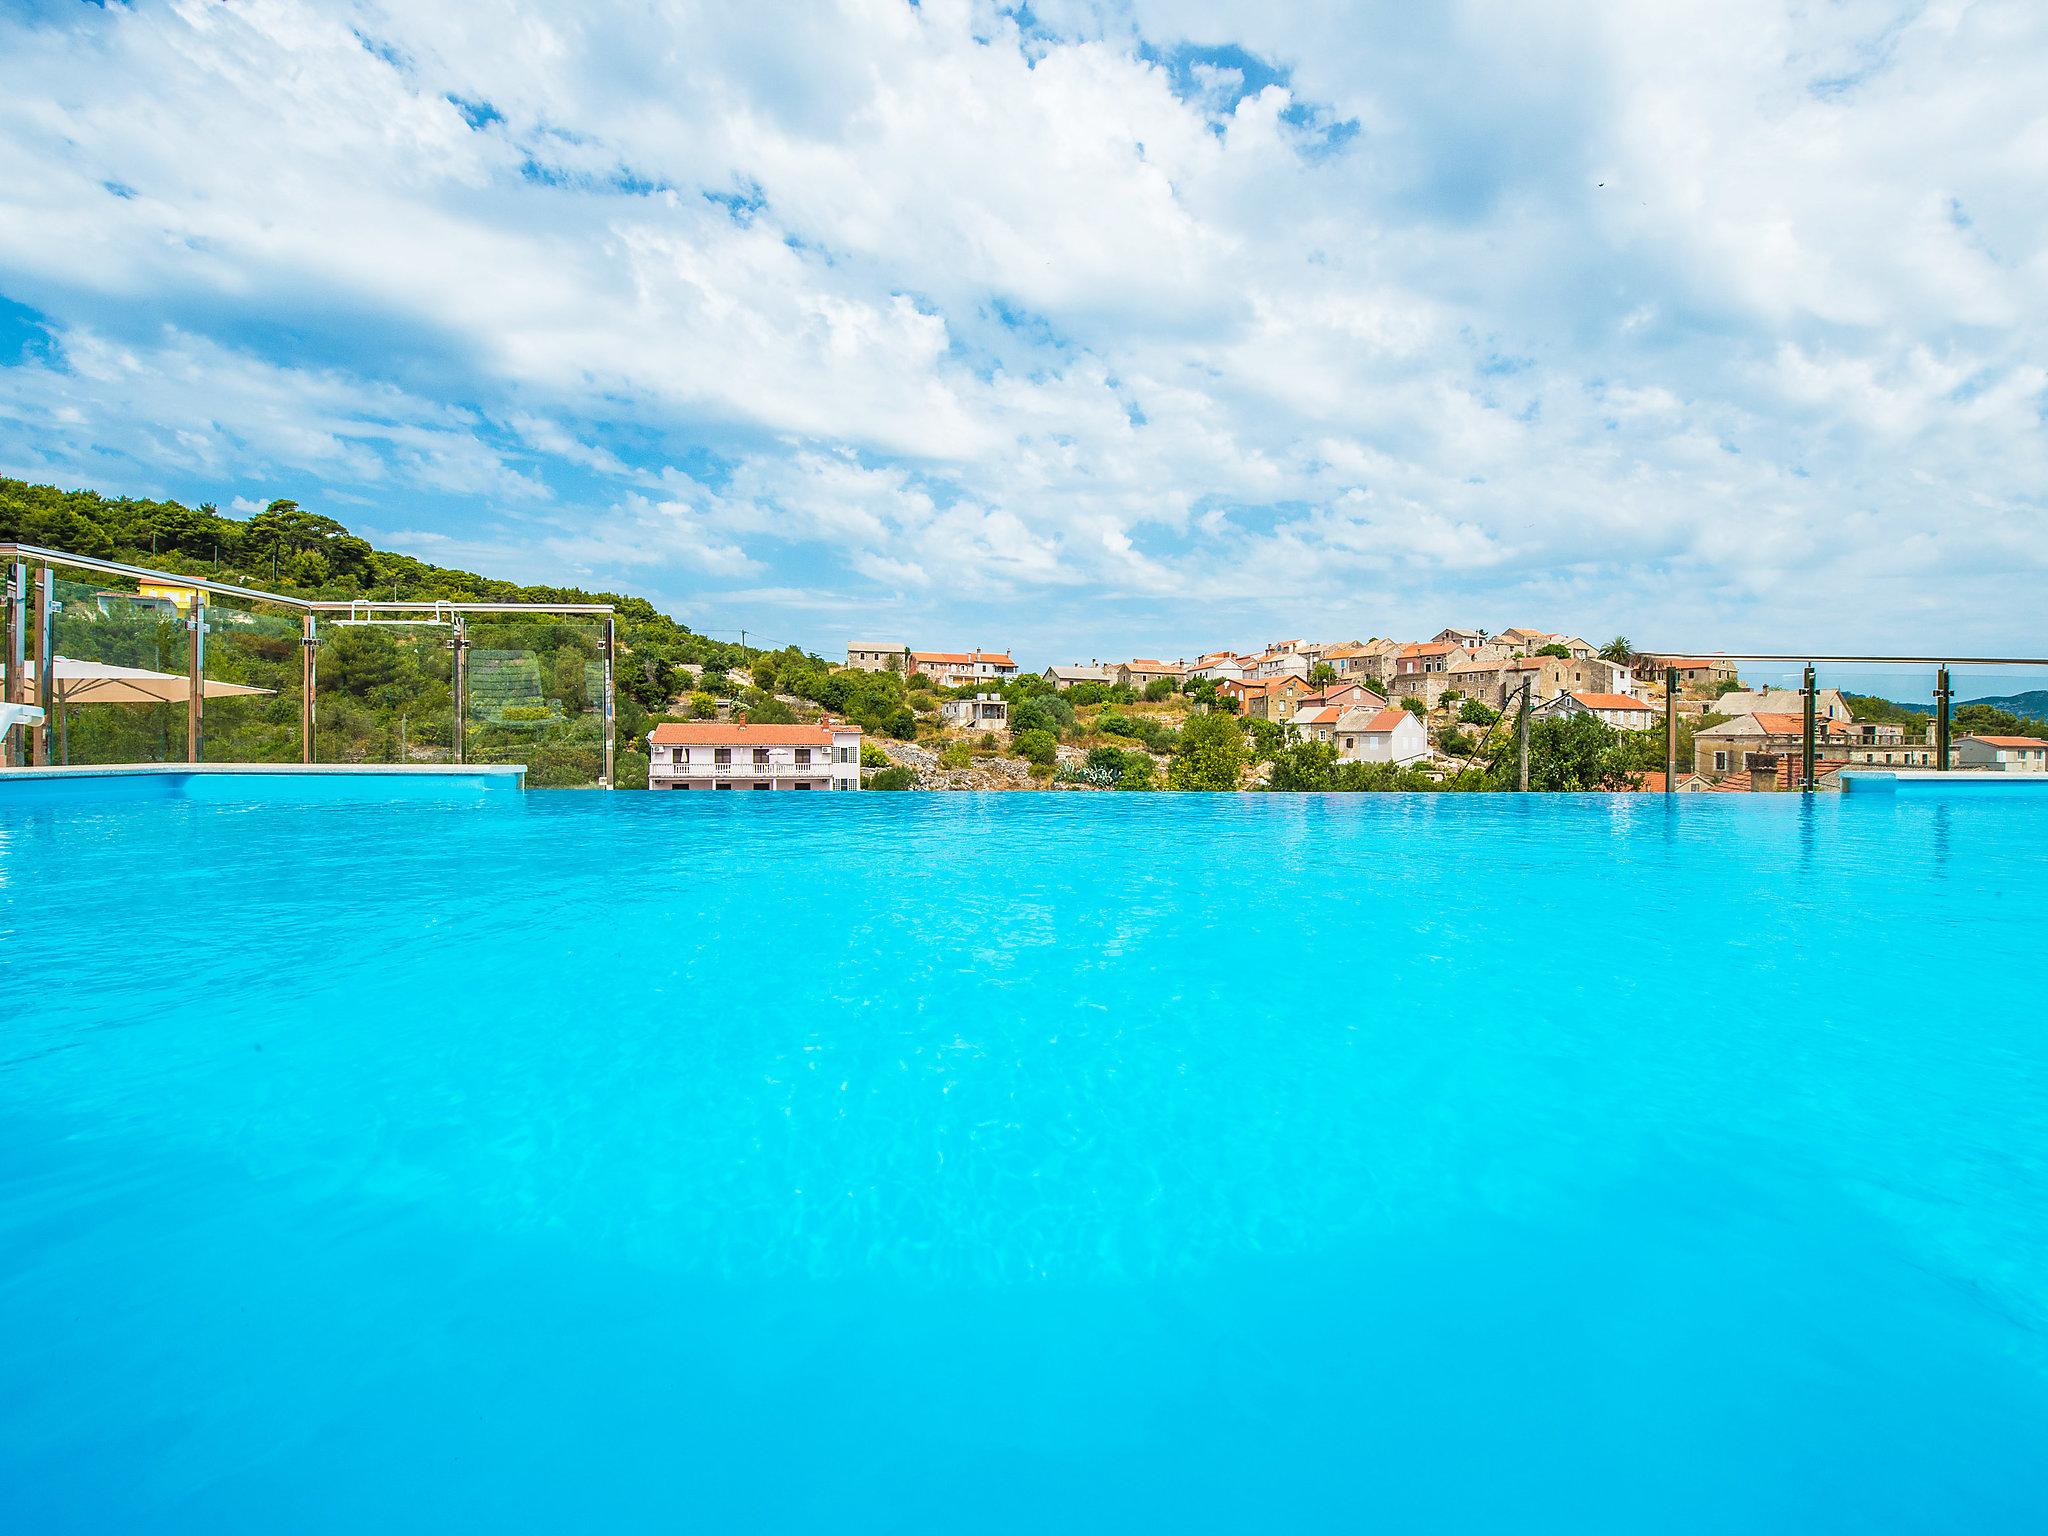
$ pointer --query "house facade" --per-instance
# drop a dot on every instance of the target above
(1828, 702)
(1066, 677)
(2002, 754)
(1273, 698)
(1380, 736)
(1142, 670)
(731, 754)
(1753, 743)
(959, 669)
(1616, 711)
(983, 712)
(1693, 671)
(878, 656)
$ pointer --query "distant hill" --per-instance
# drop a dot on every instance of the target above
(2031, 705)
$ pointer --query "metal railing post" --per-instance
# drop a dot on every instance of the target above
(1942, 697)
(1808, 695)
(610, 706)
(309, 643)
(461, 690)
(46, 665)
(1671, 730)
(15, 655)
(195, 695)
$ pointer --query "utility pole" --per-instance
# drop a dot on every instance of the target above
(1522, 742)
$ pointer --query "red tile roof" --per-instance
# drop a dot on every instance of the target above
(737, 733)
(1609, 701)
(1384, 721)
(2007, 741)
(961, 658)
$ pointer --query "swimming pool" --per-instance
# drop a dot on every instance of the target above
(1025, 1163)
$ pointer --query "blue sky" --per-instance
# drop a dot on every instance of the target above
(1082, 329)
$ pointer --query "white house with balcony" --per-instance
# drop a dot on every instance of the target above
(731, 754)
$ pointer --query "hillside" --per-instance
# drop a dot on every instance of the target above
(289, 550)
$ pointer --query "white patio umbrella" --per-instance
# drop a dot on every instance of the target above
(99, 682)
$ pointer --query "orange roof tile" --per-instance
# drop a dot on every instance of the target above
(1610, 701)
(737, 733)
(2007, 741)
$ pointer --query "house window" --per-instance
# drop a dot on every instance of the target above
(803, 757)
(760, 757)
(727, 785)
(722, 757)
(803, 783)
(1720, 762)
(760, 786)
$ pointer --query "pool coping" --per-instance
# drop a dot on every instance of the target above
(1892, 778)
(289, 770)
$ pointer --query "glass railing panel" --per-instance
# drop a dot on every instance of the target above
(254, 666)
(535, 689)
(1995, 711)
(384, 691)
(121, 655)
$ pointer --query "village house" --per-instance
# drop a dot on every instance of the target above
(959, 669)
(1372, 662)
(983, 712)
(1470, 639)
(1316, 715)
(1894, 753)
(731, 754)
(1693, 671)
(1616, 711)
(1272, 698)
(878, 656)
(1740, 745)
(2002, 754)
(1425, 657)
(1828, 703)
(1276, 663)
(1380, 736)
(1066, 677)
(1136, 674)
(1224, 666)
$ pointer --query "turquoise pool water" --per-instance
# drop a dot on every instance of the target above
(575, 1162)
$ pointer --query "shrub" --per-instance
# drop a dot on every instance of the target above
(902, 724)
(1037, 747)
(1472, 712)
(872, 756)
(703, 707)
(954, 754)
(892, 778)
(1138, 773)
(1305, 766)
(1160, 689)
(1208, 756)
(1413, 706)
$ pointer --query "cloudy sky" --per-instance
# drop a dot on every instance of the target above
(1084, 329)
